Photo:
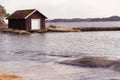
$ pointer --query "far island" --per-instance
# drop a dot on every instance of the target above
(111, 18)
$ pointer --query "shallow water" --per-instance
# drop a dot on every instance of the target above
(34, 56)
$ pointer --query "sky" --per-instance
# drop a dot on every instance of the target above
(66, 8)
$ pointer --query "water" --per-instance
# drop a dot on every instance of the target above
(87, 24)
(36, 56)
(105, 43)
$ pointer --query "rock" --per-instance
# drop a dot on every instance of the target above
(5, 30)
(7, 76)
(55, 28)
(95, 62)
(4, 25)
(23, 32)
(39, 31)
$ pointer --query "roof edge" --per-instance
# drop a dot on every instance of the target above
(30, 14)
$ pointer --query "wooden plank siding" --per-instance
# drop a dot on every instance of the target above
(17, 24)
(35, 16)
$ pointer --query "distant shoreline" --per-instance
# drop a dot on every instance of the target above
(76, 21)
(111, 18)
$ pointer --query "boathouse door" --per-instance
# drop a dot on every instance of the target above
(35, 24)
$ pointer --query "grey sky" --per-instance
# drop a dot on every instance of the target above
(67, 8)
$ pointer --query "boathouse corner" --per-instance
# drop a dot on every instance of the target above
(28, 20)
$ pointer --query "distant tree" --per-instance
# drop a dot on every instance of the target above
(3, 14)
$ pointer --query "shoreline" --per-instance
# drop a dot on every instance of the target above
(59, 28)
(56, 28)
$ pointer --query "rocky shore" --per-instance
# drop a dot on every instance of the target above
(56, 28)
(6, 30)
(7, 76)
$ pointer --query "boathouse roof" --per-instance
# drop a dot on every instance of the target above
(24, 14)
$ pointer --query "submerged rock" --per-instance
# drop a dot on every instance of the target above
(94, 62)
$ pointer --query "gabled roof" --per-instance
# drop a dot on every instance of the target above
(23, 14)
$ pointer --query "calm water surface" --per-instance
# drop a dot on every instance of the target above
(34, 56)
(87, 24)
(104, 43)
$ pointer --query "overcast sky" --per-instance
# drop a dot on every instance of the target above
(67, 8)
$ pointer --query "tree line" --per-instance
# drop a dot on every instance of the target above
(111, 18)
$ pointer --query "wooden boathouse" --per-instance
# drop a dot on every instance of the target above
(28, 20)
